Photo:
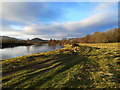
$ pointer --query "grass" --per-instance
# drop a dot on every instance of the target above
(95, 66)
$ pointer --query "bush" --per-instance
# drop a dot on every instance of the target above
(74, 44)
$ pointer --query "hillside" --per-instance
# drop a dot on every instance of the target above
(8, 38)
(13, 42)
(37, 40)
(7, 41)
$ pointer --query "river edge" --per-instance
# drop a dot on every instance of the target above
(63, 46)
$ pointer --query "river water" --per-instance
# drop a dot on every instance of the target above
(27, 50)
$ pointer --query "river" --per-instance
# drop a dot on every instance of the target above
(26, 50)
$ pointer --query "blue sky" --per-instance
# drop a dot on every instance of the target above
(57, 20)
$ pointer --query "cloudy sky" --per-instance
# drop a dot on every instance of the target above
(57, 20)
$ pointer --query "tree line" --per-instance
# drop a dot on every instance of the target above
(13, 43)
(110, 36)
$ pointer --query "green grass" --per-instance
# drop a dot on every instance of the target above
(95, 66)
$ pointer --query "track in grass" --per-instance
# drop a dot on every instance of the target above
(92, 67)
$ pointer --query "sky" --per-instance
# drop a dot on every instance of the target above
(57, 20)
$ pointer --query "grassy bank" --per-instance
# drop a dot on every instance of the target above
(93, 67)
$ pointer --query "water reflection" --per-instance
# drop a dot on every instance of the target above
(26, 50)
(52, 46)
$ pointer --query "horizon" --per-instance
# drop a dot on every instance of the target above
(57, 20)
(52, 38)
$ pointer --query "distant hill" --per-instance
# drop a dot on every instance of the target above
(8, 38)
(4, 38)
(37, 40)
(13, 42)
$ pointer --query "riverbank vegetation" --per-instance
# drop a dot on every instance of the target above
(95, 66)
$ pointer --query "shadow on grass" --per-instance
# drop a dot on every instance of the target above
(40, 72)
(30, 65)
(82, 79)
(85, 75)
(26, 66)
(68, 63)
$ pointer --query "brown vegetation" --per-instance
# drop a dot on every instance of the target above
(110, 36)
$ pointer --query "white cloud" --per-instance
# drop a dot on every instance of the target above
(22, 12)
(101, 19)
(104, 6)
(72, 29)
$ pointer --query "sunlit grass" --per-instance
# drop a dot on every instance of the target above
(95, 66)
